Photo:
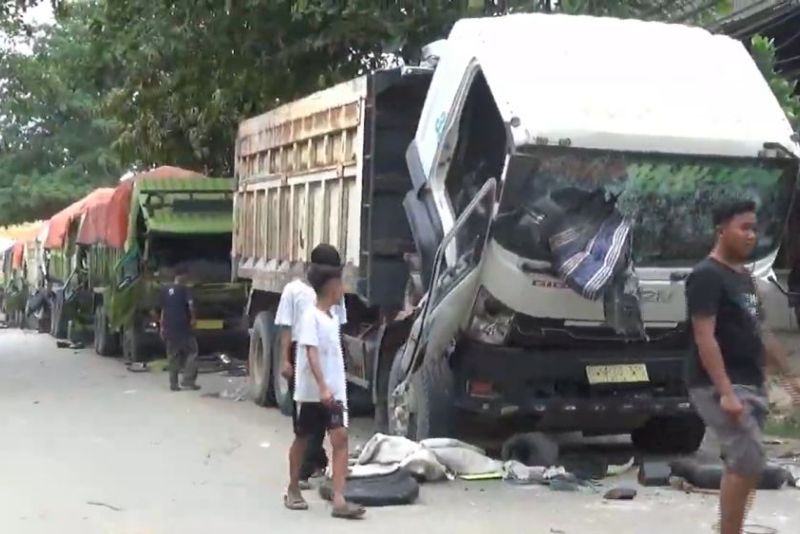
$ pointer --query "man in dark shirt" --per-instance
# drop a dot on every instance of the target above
(177, 325)
(725, 373)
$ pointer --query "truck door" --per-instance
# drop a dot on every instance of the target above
(455, 280)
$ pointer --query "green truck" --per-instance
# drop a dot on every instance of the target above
(130, 244)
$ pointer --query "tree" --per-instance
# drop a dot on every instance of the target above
(54, 146)
(763, 51)
(196, 69)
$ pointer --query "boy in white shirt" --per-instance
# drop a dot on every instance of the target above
(321, 390)
(297, 297)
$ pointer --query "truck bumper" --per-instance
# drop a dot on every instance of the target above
(551, 388)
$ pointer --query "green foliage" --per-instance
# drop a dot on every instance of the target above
(122, 84)
(54, 146)
(763, 52)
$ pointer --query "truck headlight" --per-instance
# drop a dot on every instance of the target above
(491, 319)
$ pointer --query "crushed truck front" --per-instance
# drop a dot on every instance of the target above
(658, 133)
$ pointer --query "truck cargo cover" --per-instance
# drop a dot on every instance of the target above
(60, 222)
(107, 222)
(168, 220)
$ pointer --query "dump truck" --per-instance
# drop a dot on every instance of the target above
(454, 191)
(18, 262)
(131, 244)
(66, 283)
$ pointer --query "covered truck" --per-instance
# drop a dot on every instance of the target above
(70, 311)
(518, 217)
(17, 287)
(131, 244)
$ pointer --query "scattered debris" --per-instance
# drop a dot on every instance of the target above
(653, 474)
(620, 494)
(138, 367)
(618, 470)
(264, 444)
(62, 343)
(534, 448)
(519, 473)
(680, 484)
(105, 505)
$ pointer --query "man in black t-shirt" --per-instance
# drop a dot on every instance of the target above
(725, 373)
(177, 325)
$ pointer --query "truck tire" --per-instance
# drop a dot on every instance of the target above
(260, 358)
(670, 435)
(105, 342)
(131, 345)
(387, 405)
(432, 415)
(281, 391)
(58, 328)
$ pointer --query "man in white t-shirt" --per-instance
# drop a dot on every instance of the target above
(297, 297)
(321, 390)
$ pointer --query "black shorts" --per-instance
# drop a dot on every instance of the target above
(311, 418)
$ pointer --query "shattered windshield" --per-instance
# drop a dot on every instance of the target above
(667, 198)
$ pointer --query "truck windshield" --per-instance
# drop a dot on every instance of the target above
(667, 198)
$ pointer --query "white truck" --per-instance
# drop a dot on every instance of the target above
(438, 184)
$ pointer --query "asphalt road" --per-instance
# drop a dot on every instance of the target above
(88, 447)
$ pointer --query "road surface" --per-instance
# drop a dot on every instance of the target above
(88, 447)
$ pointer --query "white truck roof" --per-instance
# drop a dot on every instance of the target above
(616, 84)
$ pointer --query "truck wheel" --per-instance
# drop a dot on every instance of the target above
(260, 358)
(670, 435)
(131, 345)
(57, 327)
(394, 410)
(105, 342)
(431, 400)
(280, 386)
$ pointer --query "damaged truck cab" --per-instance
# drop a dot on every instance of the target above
(517, 218)
(562, 195)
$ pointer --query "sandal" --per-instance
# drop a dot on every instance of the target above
(349, 511)
(295, 503)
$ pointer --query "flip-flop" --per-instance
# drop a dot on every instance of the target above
(294, 503)
(304, 485)
(349, 511)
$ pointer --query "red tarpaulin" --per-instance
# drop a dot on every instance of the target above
(59, 223)
(18, 248)
(106, 221)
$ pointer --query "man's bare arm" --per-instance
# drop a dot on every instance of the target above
(710, 353)
(312, 353)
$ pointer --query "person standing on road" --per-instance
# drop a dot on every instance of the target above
(297, 297)
(177, 330)
(321, 390)
(725, 374)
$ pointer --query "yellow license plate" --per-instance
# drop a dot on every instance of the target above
(209, 324)
(617, 374)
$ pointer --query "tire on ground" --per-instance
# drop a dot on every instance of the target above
(383, 490)
(260, 360)
(670, 435)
